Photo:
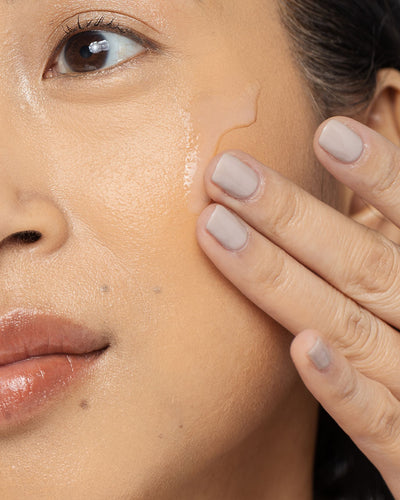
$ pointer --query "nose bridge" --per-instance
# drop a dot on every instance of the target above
(8, 126)
(22, 168)
(16, 131)
(24, 144)
(27, 204)
(20, 100)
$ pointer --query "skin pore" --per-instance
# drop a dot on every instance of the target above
(196, 396)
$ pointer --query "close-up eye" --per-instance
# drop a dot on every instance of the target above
(95, 50)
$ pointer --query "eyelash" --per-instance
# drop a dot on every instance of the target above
(98, 23)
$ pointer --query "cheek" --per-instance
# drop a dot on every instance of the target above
(195, 365)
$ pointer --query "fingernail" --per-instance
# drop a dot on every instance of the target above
(227, 229)
(235, 177)
(341, 142)
(320, 355)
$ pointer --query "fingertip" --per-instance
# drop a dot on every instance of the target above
(233, 175)
(310, 350)
(303, 342)
(351, 123)
(209, 170)
(340, 141)
(202, 235)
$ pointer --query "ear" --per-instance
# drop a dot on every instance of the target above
(382, 115)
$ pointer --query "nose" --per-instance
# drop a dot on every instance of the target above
(31, 216)
(30, 219)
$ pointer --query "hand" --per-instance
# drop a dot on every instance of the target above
(328, 279)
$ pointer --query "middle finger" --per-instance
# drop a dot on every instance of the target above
(295, 297)
(356, 260)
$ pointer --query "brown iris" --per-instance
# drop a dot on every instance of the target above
(80, 55)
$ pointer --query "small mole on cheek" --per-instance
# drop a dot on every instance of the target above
(157, 289)
(181, 426)
(105, 288)
(160, 436)
(84, 404)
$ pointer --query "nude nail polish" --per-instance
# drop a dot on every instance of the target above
(341, 142)
(235, 177)
(320, 355)
(227, 229)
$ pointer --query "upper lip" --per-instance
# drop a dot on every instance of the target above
(26, 333)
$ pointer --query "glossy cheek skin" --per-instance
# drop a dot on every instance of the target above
(194, 368)
(214, 113)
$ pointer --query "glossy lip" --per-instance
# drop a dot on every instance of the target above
(40, 355)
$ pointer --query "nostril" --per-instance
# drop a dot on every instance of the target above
(26, 236)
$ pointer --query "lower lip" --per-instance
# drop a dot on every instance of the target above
(27, 386)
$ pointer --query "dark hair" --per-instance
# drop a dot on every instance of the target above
(339, 46)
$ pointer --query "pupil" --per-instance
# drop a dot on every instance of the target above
(86, 51)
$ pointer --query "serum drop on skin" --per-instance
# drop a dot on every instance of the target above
(213, 115)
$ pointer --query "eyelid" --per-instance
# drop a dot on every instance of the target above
(105, 18)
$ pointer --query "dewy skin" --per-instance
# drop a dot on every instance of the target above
(214, 114)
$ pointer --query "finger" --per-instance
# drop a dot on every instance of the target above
(366, 410)
(364, 160)
(295, 297)
(362, 263)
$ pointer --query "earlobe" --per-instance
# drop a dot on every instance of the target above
(369, 216)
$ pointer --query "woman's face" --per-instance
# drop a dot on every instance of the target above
(107, 166)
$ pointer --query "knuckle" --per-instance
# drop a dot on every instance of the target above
(385, 180)
(347, 387)
(270, 273)
(383, 426)
(360, 333)
(389, 426)
(378, 413)
(378, 272)
(286, 213)
(356, 322)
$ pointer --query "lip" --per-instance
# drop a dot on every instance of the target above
(41, 355)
